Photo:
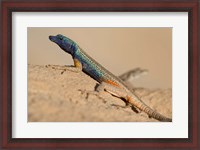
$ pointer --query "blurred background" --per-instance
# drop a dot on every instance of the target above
(117, 49)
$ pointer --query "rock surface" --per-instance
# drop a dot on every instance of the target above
(54, 96)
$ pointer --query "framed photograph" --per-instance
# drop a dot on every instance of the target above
(100, 74)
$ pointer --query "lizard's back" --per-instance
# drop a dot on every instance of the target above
(101, 74)
(96, 70)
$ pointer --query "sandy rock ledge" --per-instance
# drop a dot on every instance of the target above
(54, 96)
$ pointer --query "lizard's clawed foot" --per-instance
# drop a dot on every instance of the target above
(119, 106)
(135, 109)
(88, 93)
(64, 68)
(128, 105)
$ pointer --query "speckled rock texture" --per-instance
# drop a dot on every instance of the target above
(54, 96)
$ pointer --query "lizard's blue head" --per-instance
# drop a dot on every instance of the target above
(65, 43)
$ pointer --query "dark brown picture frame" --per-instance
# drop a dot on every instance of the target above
(9, 6)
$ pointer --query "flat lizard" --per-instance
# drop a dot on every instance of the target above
(108, 82)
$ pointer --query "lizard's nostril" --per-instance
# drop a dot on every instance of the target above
(50, 37)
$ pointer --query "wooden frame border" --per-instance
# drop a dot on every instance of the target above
(9, 6)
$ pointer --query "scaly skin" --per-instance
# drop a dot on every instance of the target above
(109, 82)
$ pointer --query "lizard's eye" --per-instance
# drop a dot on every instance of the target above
(61, 38)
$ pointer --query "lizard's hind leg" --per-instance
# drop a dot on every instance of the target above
(114, 90)
(118, 92)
